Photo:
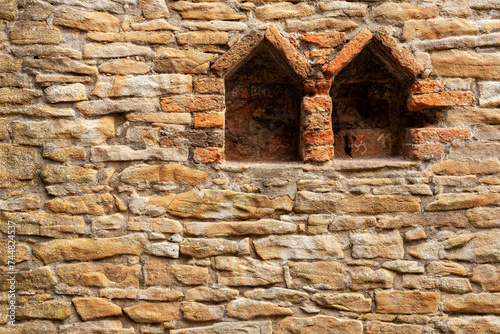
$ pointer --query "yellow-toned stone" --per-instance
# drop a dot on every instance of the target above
(407, 302)
(201, 248)
(124, 67)
(93, 308)
(248, 309)
(31, 32)
(132, 36)
(39, 278)
(43, 224)
(352, 302)
(17, 95)
(90, 21)
(222, 229)
(283, 10)
(438, 28)
(59, 174)
(22, 251)
(206, 11)
(163, 173)
(445, 202)
(378, 327)
(99, 274)
(473, 303)
(204, 294)
(318, 324)
(323, 273)
(159, 272)
(154, 313)
(9, 64)
(319, 24)
(199, 312)
(64, 154)
(155, 9)
(52, 309)
(465, 64)
(93, 204)
(236, 271)
(203, 37)
(394, 12)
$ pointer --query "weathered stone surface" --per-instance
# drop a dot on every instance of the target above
(353, 302)
(93, 327)
(12, 158)
(221, 229)
(63, 132)
(319, 24)
(52, 309)
(459, 42)
(162, 225)
(8, 10)
(44, 51)
(93, 308)
(9, 64)
(155, 9)
(378, 327)
(163, 173)
(206, 11)
(298, 247)
(488, 276)
(368, 245)
(152, 25)
(39, 278)
(343, 8)
(111, 222)
(32, 32)
(22, 251)
(143, 85)
(435, 100)
(154, 293)
(114, 50)
(88, 249)
(474, 325)
(25, 203)
(124, 67)
(204, 294)
(464, 64)
(99, 274)
(473, 303)
(90, 21)
(325, 40)
(201, 248)
(364, 278)
(216, 25)
(167, 249)
(438, 268)
(33, 326)
(318, 324)
(154, 313)
(17, 95)
(43, 224)
(247, 327)
(181, 61)
(60, 64)
(14, 80)
(247, 271)
(59, 174)
(448, 284)
(404, 267)
(93, 204)
(202, 37)
(283, 10)
(454, 167)
(200, 312)
(407, 302)
(277, 294)
(394, 12)
(248, 309)
(36, 11)
(317, 273)
(158, 272)
(121, 38)
(192, 104)
(483, 4)
(462, 201)
(113, 6)
(481, 150)
(63, 154)
(125, 153)
(98, 108)
(484, 217)
(438, 28)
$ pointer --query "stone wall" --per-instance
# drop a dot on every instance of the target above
(192, 167)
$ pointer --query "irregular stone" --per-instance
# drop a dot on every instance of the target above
(474, 325)
(407, 302)
(248, 309)
(99, 108)
(88, 249)
(36, 110)
(378, 327)
(488, 276)
(93, 308)
(63, 132)
(8, 10)
(438, 268)
(395, 12)
(206, 11)
(318, 324)
(434, 100)
(114, 50)
(171, 60)
(94, 21)
(113, 6)
(93, 327)
(247, 271)
(298, 247)
(132, 36)
(111, 222)
(158, 272)
(222, 229)
(124, 67)
(454, 167)
(152, 25)
(476, 150)
(283, 10)
(202, 37)
(9, 64)
(36, 11)
(39, 278)
(458, 8)
(34, 326)
(59, 174)
(404, 267)
(437, 28)
(25, 203)
(247, 327)
(343, 8)
(484, 217)
(483, 4)
(99, 274)
(161, 225)
(368, 245)
(155, 9)
(319, 24)
(163, 173)
(154, 313)
(215, 25)
(192, 104)
(199, 312)
(125, 153)
(277, 294)
(43, 224)
(346, 223)
(60, 64)
(44, 51)
(51, 309)
(324, 40)
(472, 303)
(426, 250)
(32, 32)
(136, 86)
(460, 42)
(489, 94)
(13, 158)
(17, 95)
(204, 294)
(22, 251)
(167, 249)
(465, 64)
(365, 278)
(462, 201)
(93, 204)
(200, 248)
(14, 80)
(448, 284)
(170, 118)
(351, 302)
(320, 273)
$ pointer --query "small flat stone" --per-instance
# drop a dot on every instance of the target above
(93, 308)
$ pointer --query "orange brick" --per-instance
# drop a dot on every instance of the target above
(319, 138)
(317, 105)
(426, 86)
(433, 100)
(324, 40)
(370, 143)
(428, 135)
(215, 120)
(192, 103)
(423, 151)
(209, 86)
(317, 87)
(316, 122)
(318, 154)
(209, 154)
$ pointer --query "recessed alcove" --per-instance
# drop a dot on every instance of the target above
(262, 119)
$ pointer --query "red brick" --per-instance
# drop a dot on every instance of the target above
(426, 86)
(209, 86)
(370, 143)
(428, 135)
(192, 103)
(318, 154)
(316, 122)
(433, 100)
(317, 87)
(215, 120)
(209, 154)
(317, 105)
(324, 40)
(423, 151)
(319, 138)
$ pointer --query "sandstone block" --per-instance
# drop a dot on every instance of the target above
(484, 217)
(248, 309)
(121, 38)
(68, 93)
(17, 95)
(92, 327)
(448, 284)
(368, 245)
(343, 8)
(319, 24)
(481, 150)
(206, 11)
(222, 229)
(22, 252)
(423, 151)
(98, 108)
(318, 324)
(14, 80)
(8, 10)
(9, 64)
(25, 203)
(192, 104)
(454, 167)
(378, 327)
(51, 309)
(43, 224)
(88, 249)
(60, 174)
(365, 278)
(93, 308)
(200, 248)
(124, 67)
(32, 32)
(89, 21)
(115, 50)
(250, 327)
(136, 86)
(277, 294)
(434, 100)
(394, 12)
(93, 204)
(167, 249)
(163, 173)
(407, 302)
(154, 313)
(208, 86)
(426, 135)
(204, 294)
(296, 247)
(324, 40)
(17, 163)
(283, 10)
(202, 37)
(445, 202)
(404, 267)
(113, 6)
(351, 302)
(438, 268)
(199, 312)
(216, 25)
(64, 154)
(438, 28)
(59, 64)
(473, 303)
(474, 325)
(37, 11)
(152, 25)
(247, 271)
(39, 278)
(162, 225)
(125, 153)
(99, 274)
(158, 272)
(464, 64)
(173, 118)
(155, 9)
